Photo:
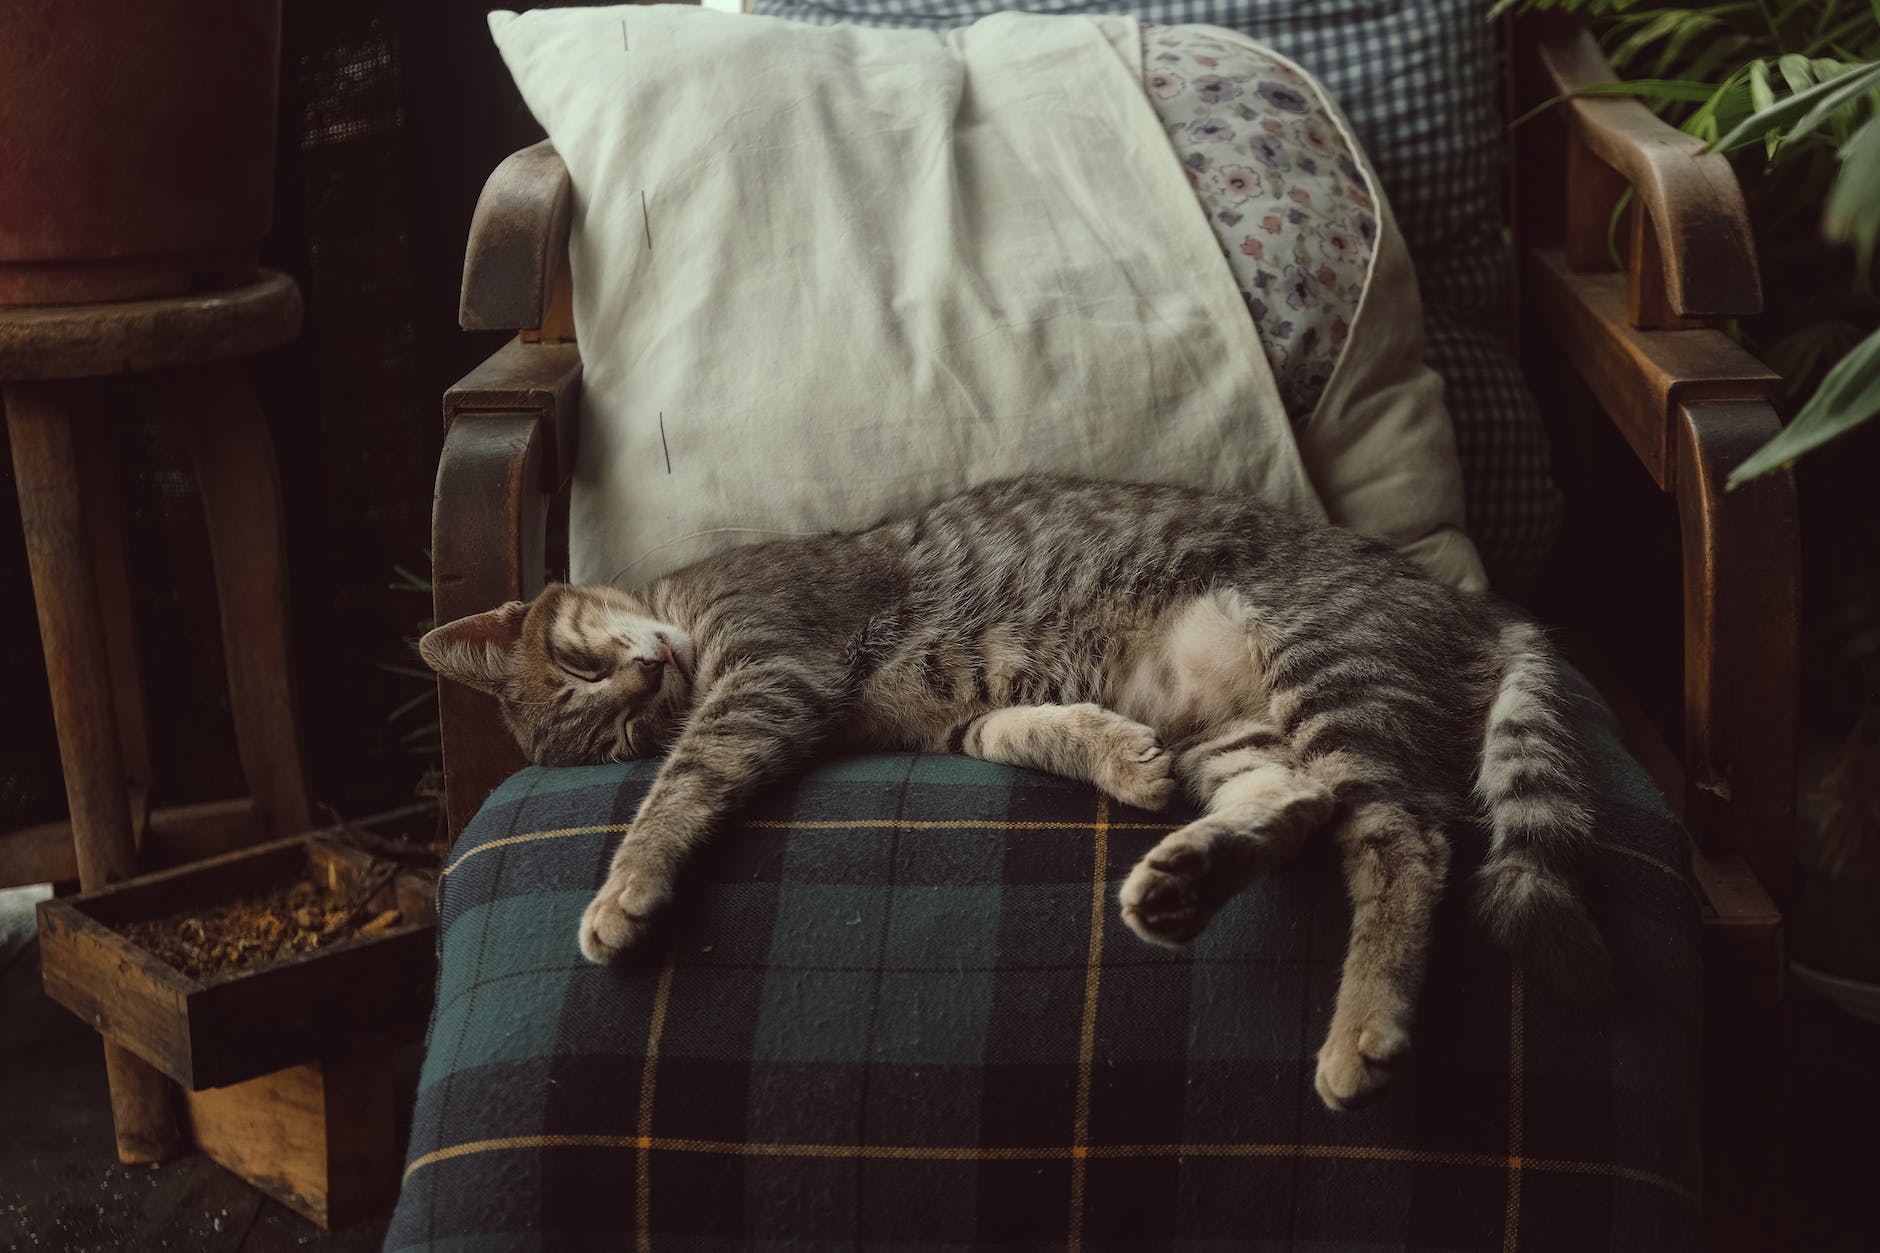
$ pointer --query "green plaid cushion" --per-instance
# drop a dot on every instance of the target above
(898, 1011)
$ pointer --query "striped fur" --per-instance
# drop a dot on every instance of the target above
(1296, 680)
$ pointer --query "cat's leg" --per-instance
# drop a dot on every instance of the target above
(1261, 807)
(1394, 866)
(1099, 746)
(753, 726)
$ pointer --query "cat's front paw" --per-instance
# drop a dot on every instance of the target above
(1138, 769)
(1357, 1063)
(621, 915)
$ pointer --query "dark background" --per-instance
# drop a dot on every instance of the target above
(392, 114)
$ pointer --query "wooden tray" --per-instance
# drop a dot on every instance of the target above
(361, 992)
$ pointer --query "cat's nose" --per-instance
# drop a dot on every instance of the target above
(653, 670)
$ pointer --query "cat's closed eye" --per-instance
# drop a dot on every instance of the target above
(586, 668)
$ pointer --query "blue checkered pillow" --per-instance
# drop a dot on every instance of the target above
(1418, 81)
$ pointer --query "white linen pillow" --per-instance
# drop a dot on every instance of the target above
(825, 275)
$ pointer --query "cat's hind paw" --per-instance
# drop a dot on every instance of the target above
(1175, 891)
(1355, 1065)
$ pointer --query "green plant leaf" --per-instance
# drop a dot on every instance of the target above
(1647, 88)
(1797, 356)
(1853, 211)
(1789, 109)
(1720, 45)
(409, 582)
(1682, 24)
(1859, 24)
(1761, 94)
(1853, 85)
(1724, 50)
(1847, 397)
(416, 702)
(1797, 71)
(1729, 102)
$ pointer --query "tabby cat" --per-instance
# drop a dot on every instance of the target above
(1291, 676)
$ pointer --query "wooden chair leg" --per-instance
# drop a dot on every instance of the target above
(49, 424)
(213, 410)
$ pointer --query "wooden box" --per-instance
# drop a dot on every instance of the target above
(321, 1138)
(354, 996)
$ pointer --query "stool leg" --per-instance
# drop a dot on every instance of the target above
(214, 411)
(101, 494)
(48, 423)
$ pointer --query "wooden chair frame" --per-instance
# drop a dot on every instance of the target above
(1690, 402)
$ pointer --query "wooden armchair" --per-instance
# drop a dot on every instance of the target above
(1689, 401)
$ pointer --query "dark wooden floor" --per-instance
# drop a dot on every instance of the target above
(61, 1187)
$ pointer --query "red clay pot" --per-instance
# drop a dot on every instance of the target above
(136, 146)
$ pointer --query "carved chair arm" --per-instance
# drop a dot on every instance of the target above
(515, 265)
(1694, 254)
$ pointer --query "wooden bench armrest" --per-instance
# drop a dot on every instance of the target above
(508, 447)
(515, 265)
(1696, 256)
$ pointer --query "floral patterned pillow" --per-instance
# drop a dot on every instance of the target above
(1280, 185)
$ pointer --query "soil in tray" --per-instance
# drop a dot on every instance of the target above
(296, 915)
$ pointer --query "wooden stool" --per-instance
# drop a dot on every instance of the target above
(61, 367)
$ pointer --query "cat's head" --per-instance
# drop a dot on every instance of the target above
(583, 673)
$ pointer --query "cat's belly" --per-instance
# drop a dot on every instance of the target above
(1200, 663)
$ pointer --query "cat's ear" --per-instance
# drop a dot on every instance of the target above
(478, 651)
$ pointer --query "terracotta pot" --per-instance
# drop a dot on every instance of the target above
(136, 145)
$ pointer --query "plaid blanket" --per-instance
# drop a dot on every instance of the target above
(897, 1011)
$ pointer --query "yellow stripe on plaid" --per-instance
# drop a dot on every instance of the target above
(1053, 1153)
(1517, 1104)
(1656, 863)
(533, 836)
(643, 1164)
(1087, 1040)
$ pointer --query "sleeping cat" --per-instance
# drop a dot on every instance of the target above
(1292, 677)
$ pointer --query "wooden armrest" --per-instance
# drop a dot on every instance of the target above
(542, 379)
(515, 265)
(508, 445)
(1641, 378)
(1700, 231)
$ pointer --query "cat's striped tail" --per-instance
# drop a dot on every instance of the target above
(1531, 786)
